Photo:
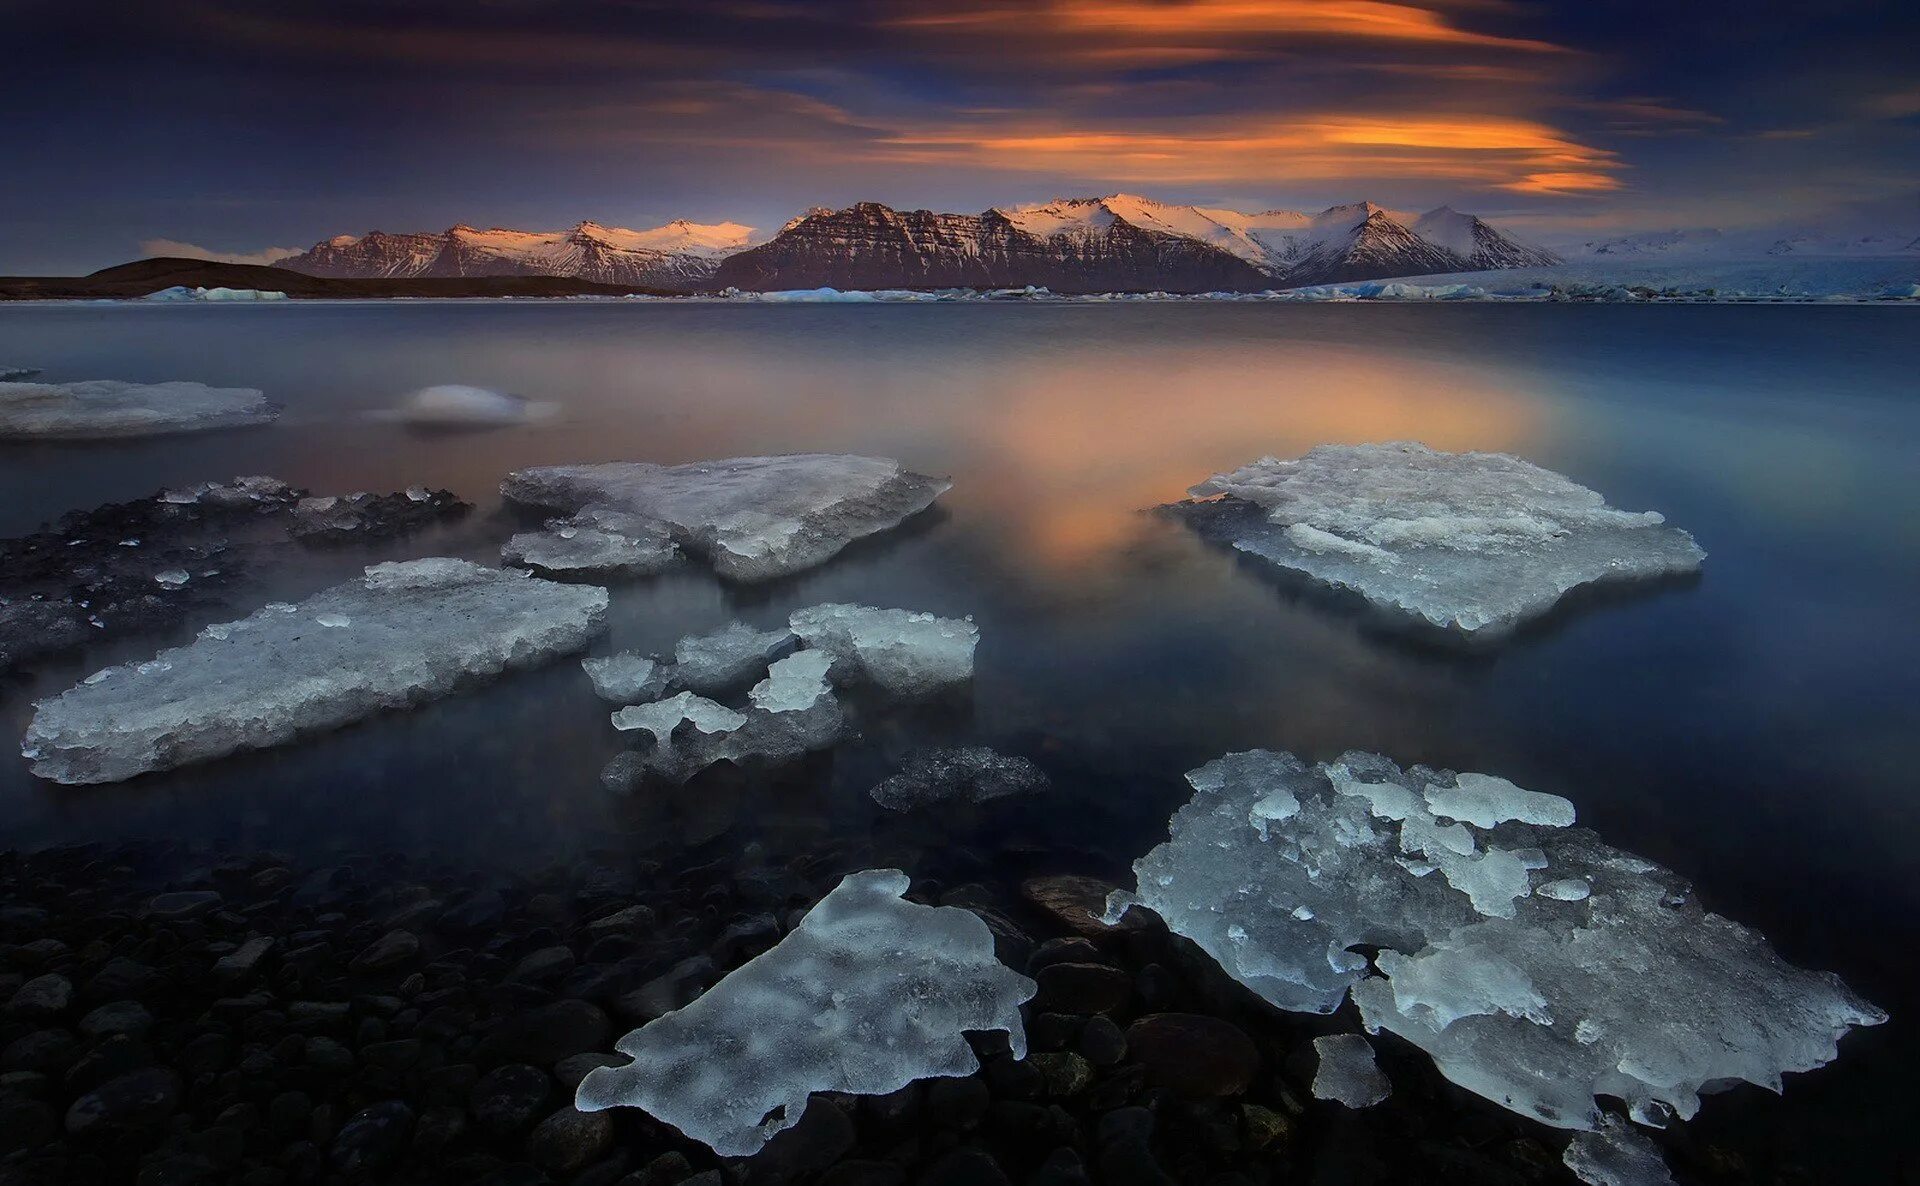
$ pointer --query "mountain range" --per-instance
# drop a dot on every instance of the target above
(1121, 242)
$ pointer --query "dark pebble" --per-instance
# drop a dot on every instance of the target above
(1083, 988)
(373, 1139)
(570, 1140)
(1192, 1054)
(508, 1098)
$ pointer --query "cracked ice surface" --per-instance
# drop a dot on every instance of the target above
(868, 994)
(1473, 543)
(753, 518)
(1535, 964)
(106, 408)
(591, 543)
(904, 654)
(404, 633)
(1347, 1073)
(969, 774)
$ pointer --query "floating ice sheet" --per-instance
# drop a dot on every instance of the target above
(413, 631)
(1469, 543)
(902, 653)
(1347, 1073)
(1521, 987)
(792, 715)
(106, 408)
(866, 995)
(753, 518)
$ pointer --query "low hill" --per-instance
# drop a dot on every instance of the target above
(142, 277)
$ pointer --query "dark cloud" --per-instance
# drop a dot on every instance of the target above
(238, 124)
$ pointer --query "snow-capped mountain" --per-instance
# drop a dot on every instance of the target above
(1121, 241)
(1483, 247)
(1081, 249)
(680, 254)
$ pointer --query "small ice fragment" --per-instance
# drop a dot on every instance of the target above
(1347, 1073)
(172, 578)
(1567, 889)
(902, 653)
(726, 659)
(626, 678)
(663, 716)
(335, 621)
(1616, 1154)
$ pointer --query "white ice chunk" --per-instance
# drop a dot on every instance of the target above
(594, 542)
(455, 405)
(662, 717)
(172, 578)
(626, 678)
(421, 629)
(794, 684)
(1484, 800)
(902, 653)
(1616, 1154)
(725, 659)
(104, 408)
(969, 774)
(868, 994)
(753, 518)
(1471, 543)
(13, 374)
(1609, 980)
(1347, 1073)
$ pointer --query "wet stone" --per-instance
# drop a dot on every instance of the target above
(1193, 1055)
(508, 1098)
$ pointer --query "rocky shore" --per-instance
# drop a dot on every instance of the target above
(257, 1020)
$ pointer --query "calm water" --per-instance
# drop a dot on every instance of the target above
(1754, 731)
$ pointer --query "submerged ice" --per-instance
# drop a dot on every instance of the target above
(868, 994)
(968, 774)
(107, 408)
(1347, 1073)
(1538, 966)
(404, 633)
(1471, 543)
(752, 518)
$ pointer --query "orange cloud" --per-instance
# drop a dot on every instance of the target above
(1489, 151)
(1222, 22)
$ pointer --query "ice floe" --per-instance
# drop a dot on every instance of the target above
(726, 659)
(416, 630)
(903, 653)
(752, 518)
(1347, 1073)
(626, 678)
(662, 717)
(692, 733)
(181, 292)
(868, 994)
(969, 774)
(1538, 999)
(1473, 544)
(595, 542)
(100, 409)
(12, 374)
(793, 684)
(455, 405)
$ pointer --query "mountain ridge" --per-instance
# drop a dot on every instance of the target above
(1116, 242)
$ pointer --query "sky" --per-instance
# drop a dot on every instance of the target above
(248, 129)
